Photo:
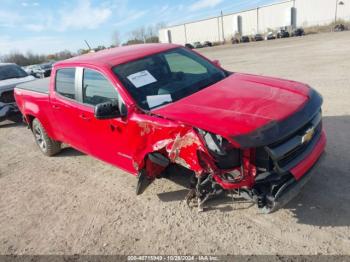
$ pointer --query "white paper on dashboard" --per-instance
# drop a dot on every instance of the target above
(141, 78)
(158, 100)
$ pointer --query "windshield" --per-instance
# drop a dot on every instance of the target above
(167, 77)
(11, 71)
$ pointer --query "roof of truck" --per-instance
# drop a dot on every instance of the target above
(118, 55)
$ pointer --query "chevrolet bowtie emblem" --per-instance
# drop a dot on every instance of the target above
(308, 135)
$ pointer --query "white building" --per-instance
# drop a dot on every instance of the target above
(297, 13)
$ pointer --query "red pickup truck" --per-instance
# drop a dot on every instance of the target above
(149, 108)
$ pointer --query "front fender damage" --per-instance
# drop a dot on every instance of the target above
(161, 143)
(180, 147)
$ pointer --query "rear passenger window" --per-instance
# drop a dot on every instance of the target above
(65, 82)
(97, 89)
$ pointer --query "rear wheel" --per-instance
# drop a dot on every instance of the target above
(48, 146)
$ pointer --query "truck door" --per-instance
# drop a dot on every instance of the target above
(65, 109)
(108, 139)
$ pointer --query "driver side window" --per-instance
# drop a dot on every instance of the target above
(97, 89)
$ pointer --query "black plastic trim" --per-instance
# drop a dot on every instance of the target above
(276, 131)
(289, 192)
(301, 156)
(279, 151)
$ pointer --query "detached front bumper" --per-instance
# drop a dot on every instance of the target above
(301, 175)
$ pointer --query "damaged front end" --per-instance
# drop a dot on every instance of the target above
(216, 165)
(269, 175)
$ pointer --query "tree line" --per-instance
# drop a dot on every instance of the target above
(32, 59)
(138, 36)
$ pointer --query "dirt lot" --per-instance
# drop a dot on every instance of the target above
(73, 203)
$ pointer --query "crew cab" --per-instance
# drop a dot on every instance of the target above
(147, 108)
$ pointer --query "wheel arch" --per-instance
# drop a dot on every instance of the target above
(29, 118)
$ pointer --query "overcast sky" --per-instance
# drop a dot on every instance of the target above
(47, 26)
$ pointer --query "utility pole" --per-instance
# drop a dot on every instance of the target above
(218, 19)
(257, 20)
(222, 27)
(336, 11)
(337, 2)
(87, 44)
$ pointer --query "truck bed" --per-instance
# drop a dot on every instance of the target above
(40, 85)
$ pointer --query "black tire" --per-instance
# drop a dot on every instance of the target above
(48, 146)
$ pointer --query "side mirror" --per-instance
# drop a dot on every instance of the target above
(107, 110)
(217, 63)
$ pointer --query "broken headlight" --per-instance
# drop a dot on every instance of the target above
(226, 156)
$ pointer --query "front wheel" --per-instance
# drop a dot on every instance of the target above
(48, 146)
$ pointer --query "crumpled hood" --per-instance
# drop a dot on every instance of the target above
(239, 104)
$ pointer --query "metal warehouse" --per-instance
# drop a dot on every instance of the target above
(292, 13)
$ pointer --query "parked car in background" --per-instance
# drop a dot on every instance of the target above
(198, 45)
(235, 40)
(207, 44)
(10, 112)
(40, 70)
(150, 108)
(46, 69)
(35, 70)
(245, 39)
(190, 46)
(10, 76)
(298, 32)
(282, 33)
(340, 27)
(258, 37)
(27, 69)
(270, 36)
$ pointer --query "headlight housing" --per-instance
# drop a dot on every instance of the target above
(226, 156)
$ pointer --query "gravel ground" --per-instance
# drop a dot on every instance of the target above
(74, 204)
